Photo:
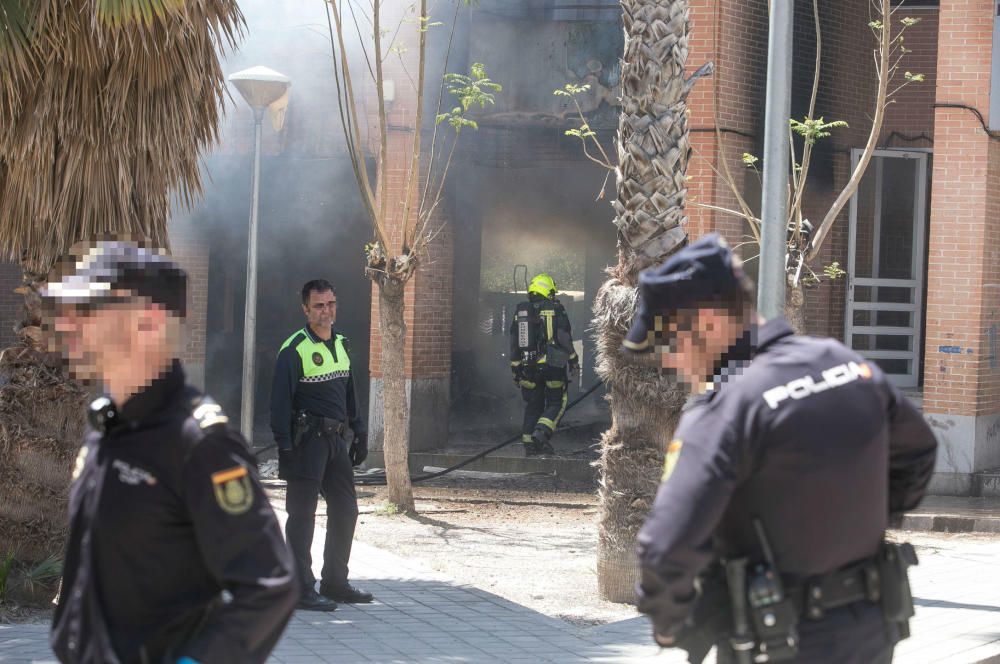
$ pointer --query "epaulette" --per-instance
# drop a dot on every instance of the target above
(207, 413)
(346, 343)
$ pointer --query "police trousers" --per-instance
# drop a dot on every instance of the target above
(853, 634)
(544, 390)
(336, 485)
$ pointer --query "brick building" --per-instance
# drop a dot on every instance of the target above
(920, 242)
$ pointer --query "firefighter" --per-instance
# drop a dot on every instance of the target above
(542, 360)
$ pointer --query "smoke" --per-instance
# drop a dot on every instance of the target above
(311, 220)
(519, 191)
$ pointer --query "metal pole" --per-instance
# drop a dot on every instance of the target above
(250, 314)
(774, 203)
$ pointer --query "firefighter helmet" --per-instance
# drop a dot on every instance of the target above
(543, 285)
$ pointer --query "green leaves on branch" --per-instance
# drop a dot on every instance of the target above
(811, 130)
(913, 78)
(472, 89)
(583, 132)
(833, 271)
(570, 90)
(424, 23)
(749, 160)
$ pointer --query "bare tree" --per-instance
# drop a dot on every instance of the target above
(805, 241)
(391, 265)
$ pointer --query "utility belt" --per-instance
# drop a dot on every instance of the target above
(305, 424)
(761, 609)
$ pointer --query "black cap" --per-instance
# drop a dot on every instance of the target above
(114, 271)
(703, 272)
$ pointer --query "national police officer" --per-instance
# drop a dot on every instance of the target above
(779, 483)
(174, 553)
(313, 403)
(542, 358)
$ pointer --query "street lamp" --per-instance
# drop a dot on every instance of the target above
(260, 87)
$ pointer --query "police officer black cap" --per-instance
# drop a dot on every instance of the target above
(117, 270)
(703, 272)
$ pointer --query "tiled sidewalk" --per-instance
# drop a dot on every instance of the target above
(420, 617)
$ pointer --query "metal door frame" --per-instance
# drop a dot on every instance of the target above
(917, 284)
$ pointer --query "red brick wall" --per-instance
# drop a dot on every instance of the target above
(191, 250)
(11, 304)
(739, 86)
(909, 120)
(847, 92)
(702, 47)
(428, 298)
(962, 296)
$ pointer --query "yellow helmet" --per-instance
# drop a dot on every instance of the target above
(543, 285)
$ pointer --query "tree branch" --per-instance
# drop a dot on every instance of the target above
(383, 154)
(880, 105)
(418, 126)
(360, 171)
(434, 133)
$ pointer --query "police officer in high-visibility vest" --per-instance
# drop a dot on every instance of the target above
(542, 360)
(767, 535)
(313, 403)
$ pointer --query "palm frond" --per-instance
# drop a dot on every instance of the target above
(103, 115)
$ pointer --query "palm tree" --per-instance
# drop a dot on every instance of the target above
(105, 106)
(653, 152)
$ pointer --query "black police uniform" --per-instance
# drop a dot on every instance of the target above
(173, 549)
(313, 378)
(815, 443)
(540, 367)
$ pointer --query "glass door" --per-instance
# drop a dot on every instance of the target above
(886, 263)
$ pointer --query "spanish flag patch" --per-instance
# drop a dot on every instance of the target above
(232, 489)
(670, 462)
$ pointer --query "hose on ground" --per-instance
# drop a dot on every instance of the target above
(379, 479)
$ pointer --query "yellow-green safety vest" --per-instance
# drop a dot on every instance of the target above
(318, 363)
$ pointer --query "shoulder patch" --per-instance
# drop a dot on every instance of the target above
(232, 489)
(207, 413)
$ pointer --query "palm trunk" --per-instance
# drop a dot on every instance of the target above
(653, 151)
(397, 415)
(41, 427)
(644, 412)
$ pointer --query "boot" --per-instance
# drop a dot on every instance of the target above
(542, 444)
(313, 601)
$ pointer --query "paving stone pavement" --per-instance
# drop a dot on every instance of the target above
(421, 617)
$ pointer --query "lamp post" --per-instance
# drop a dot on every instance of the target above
(260, 87)
(774, 198)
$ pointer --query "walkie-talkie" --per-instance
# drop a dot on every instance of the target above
(774, 615)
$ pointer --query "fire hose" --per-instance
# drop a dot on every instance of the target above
(379, 479)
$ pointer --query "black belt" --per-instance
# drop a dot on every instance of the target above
(814, 597)
(324, 424)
